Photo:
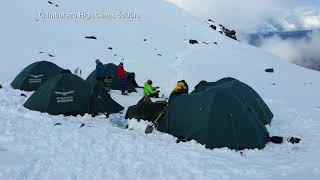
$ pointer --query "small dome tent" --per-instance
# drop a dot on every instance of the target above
(65, 94)
(244, 92)
(216, 117)
(146, 109)
(34, 75)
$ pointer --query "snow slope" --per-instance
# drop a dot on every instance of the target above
(31, 147)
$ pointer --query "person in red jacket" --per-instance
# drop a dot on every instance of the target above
(122, 76)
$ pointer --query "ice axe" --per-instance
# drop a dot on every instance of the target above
(149, 128)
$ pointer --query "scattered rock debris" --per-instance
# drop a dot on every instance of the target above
(91, 37)
(269, 70)
(192, 41)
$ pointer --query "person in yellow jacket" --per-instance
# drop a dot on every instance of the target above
(150, 91)
(181, 88)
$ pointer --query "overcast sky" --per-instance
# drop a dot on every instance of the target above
(244, 14)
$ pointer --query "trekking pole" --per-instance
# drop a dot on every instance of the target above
(149, 128)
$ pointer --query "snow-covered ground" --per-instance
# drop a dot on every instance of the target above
(31, 147)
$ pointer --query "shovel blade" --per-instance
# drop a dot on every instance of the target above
(149, 129)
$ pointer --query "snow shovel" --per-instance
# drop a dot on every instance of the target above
(150, 128)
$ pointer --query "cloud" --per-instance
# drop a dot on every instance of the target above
(250, 16)
(304, 52)
(245, 15)
(292, 20)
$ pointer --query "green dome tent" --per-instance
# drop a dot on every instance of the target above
(245, 93)
(34, 75)
(216, 117)
(65, 94)
(111, 69)
(145, 109)
(101, 102)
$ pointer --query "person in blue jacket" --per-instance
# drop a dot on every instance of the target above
(101, 75)
(100, 72)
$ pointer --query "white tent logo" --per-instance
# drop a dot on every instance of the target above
(64, 93)
(65, 97)
(36, 76)
(35, 79)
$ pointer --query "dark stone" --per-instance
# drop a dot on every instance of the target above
(50, 55)
(270, 70)
(215, 43)
(23, 95)
(204, 42)
(183, 139)
(230, 33)
(192, 41)
(276, 139)
(294, 140)
(145, 40)
(233, 32)
(115, 55)
(57, 124)
(159, 54)
(210, 20)
(50, 2)
(82, 125)
(110, 48)
(91, 37)
(213, 27)
(0, 86)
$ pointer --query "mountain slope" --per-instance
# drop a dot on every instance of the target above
(166, 56)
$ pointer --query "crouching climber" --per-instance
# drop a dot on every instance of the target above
(151, 91)
(181, 88)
